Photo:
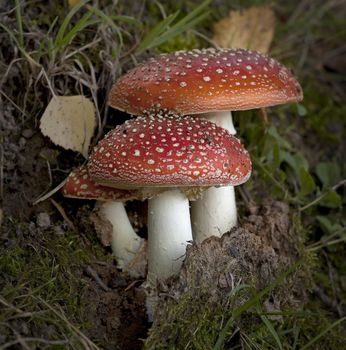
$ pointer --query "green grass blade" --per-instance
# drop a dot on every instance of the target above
(266, 290)
(111, 19)
(270, 327)
(79, 26)
(196, 12)
(155, 32)
(127, 20)
(47, 42)
(250, 303)
(19, 24)
(163, 32)
(67, 20)
(176, 30)
(314, 340)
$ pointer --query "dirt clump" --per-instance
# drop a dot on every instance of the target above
(192, 307)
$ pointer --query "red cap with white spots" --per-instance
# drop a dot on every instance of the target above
(79, 185)
(169, 151)
(201, 81)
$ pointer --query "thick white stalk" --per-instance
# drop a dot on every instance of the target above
(215, 213)
(125, 241)
(223, 119)
(169, 230)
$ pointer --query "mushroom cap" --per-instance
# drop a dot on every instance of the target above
(208, 80)
(79, 185)
(167, 151)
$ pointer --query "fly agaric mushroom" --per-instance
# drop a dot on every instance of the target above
(174, 153)
(214, 82)
(125, 242)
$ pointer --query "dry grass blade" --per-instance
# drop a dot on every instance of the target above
(87, 343)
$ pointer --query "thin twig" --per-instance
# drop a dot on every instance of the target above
(63, 214)
(14, 104)
(318, 199)
(329, 302)
(1, 172)
(92, 273)
(20, 340)
(49, 194)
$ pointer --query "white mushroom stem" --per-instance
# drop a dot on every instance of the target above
(223, 119)
(125, 241)
(169, 230)
(215, 213)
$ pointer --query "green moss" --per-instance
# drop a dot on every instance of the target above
(187, 41)
(42, 279)
(196, 324)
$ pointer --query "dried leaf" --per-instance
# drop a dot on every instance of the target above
(252, 28)
(72, 3)
(69, 121)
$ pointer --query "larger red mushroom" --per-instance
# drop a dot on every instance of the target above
(172, 153)
(214, 82)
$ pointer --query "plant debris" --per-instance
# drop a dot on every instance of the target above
(69, 121)
(252, 28)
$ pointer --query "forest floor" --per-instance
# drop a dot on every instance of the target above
(60, 287)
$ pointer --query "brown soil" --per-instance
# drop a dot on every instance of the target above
(116, 309)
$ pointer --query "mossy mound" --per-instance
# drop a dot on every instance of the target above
(194, 307)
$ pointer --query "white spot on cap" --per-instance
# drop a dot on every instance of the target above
(159, 149)
(137, 153)
(219, 70)
(206, 78)
(182, 84)
(151, 161)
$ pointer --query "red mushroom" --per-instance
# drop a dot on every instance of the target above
(125, 242)
(168, 152)
(211, 81)
(202, 81)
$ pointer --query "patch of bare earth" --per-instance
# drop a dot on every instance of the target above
(115, 309)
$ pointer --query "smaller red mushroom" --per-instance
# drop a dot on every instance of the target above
(110, 202)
